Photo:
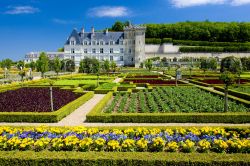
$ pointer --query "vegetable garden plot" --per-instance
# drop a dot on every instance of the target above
(171, 99)
(35, 99)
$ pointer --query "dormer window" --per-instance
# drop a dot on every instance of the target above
(93, 42)
(85, 43)
(111, 42)
(72, 42)
(101, 43)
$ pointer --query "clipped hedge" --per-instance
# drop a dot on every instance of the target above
(207, 43)
(233, 98)
(242, 95)
(235, 118)
(122, 159)
(47, 117)
(214, 49)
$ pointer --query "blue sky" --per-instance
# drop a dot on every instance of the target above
(44, 25)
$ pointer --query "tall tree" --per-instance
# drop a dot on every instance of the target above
(233, 65)
(43, 63)
(228, 79)
(106, 66)
(113, 66)
(149, 64)
(20, 65)
(204, 65)
(6, 63)
(70, 65)
(57, 65)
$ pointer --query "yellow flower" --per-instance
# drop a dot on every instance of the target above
(113, 145)
(172, 146)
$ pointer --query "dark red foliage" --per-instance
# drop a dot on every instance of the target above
(146, 76)
(34, 99)
(217, 81)
(153, 81)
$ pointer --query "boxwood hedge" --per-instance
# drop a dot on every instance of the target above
(122, 158)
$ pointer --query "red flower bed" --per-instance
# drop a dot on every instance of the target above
(145, 76)
(153, 81)
(34, 99)
(215, 81)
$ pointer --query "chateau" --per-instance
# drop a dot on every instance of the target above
(125, 48)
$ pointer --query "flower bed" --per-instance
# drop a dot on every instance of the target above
(153, 81)
(142, 76)
(35, 99)
(186, 140)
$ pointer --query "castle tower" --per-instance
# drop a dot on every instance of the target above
(134, 37)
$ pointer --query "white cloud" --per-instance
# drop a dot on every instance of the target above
(21, 10)
(61, 21)
(240, 2)
(190, 3)
(108, 11)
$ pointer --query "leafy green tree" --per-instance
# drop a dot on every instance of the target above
(57, 65)
(60, 49)
(213, 64)
(96, 69)
(149, 64)
(20, 65)
(113, 66)
(43, 63)
(141, 65)
(233, 65)
(228, 78)
(22, 74)
(31, 65)
(106, 66)
(204, 65)
(70, 65)
(6, 63)
(119, 26)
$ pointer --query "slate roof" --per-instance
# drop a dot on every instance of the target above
(97, 36)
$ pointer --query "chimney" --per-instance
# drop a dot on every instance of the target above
(82, 31)
(93, 30)
(107, 31)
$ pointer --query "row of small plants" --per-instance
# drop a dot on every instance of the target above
(186, 140)
(244, 89)
(173, 99)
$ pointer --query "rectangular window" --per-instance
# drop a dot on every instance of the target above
(85, 43)
(94, 50)
(73, 57)
(111, 43)
(72, 50)
(107, 43)
(111, 50)
(101, 50)
(93, 42)
(101, 58)
(121, 50)
(72, 42)
(111, 58)
(121, 58)
(130, 51)
(101, 42)
(85, 50)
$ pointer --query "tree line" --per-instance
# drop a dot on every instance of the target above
(197, 31)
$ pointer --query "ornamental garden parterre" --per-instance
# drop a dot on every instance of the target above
(139, 96)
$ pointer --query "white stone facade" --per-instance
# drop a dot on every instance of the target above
(126, 48)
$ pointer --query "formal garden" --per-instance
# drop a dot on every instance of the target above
(151, 95)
